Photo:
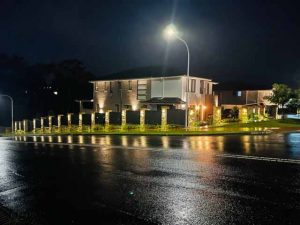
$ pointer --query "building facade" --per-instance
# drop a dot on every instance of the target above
(254, 101)
(229, 99)
(153, 93)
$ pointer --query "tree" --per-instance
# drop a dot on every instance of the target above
(294, 102)
(281, 94)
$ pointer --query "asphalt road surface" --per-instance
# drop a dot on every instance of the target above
(152, 180)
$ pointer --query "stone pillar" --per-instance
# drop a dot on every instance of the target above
(107, 119)
(142, 119)
(42, 124)
(191, 117)
(34, 125)
(16, 126)
(50, 123)
(123, 117)
(93, 121)
(164, 117)
(243, 115)
(80, 122)
(25, 125)
(217, 115)
(69, 117)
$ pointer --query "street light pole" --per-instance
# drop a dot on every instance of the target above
(171, 32)
(12, 111)
(187, 82)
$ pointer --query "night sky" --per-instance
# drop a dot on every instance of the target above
(253, 41)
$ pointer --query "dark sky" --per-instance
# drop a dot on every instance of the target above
(250, 40)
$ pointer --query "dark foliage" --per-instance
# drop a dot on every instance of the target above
(43, 89)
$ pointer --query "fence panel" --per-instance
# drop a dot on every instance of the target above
(152, 117)
(99, 118)
(176, 117)
(115, 118)
(86, 119)
(133, 117)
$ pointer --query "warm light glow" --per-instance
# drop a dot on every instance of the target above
(183, 106)
(197, 107)
(134, 107)
(170, 31)
(204, 107)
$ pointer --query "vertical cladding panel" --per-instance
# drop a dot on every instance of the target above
(30, 125)
(37, 123)
(86, 119)
(54, 121)
(133, 117)
(115, 118)
(152, 117)
(64, 120)
(46, 122)
(99, 118)
(75, 119)
(176, 117)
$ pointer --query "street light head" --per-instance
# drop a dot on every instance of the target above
(170, 32)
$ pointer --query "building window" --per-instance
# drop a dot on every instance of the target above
(201, 86)
(208, 89)
(128, 107)
(105, 86)
(193, 85)
(117, 107)
(237, 93)
(110, 87)
(119, 85)
(129, 85)
(142, 90)
(96, 86)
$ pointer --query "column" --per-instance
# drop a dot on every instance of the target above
(164, 115)
(243, 115)
(217, 115)
(142, 118)
(123, 117)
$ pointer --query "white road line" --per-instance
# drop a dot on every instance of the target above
(260, 158)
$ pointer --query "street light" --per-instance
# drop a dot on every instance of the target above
(12, 110)
(171, 32)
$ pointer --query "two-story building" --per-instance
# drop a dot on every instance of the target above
(152, 92)
(251, 99)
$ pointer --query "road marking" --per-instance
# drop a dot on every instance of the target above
(260, 158)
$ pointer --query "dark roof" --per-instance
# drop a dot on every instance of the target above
(164, 101)
(151, 71)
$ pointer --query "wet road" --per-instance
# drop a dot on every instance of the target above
(152, 180)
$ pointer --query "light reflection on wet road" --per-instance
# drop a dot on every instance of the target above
(152, 180)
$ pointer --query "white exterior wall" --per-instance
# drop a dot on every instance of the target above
(195, 98)
(172, 87)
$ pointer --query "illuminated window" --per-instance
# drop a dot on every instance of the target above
(96, 86)
(142, 90)
(207, 88)
(201, 86)
(110, 87)
(129, 85)
(119, 85)
(193, 85)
